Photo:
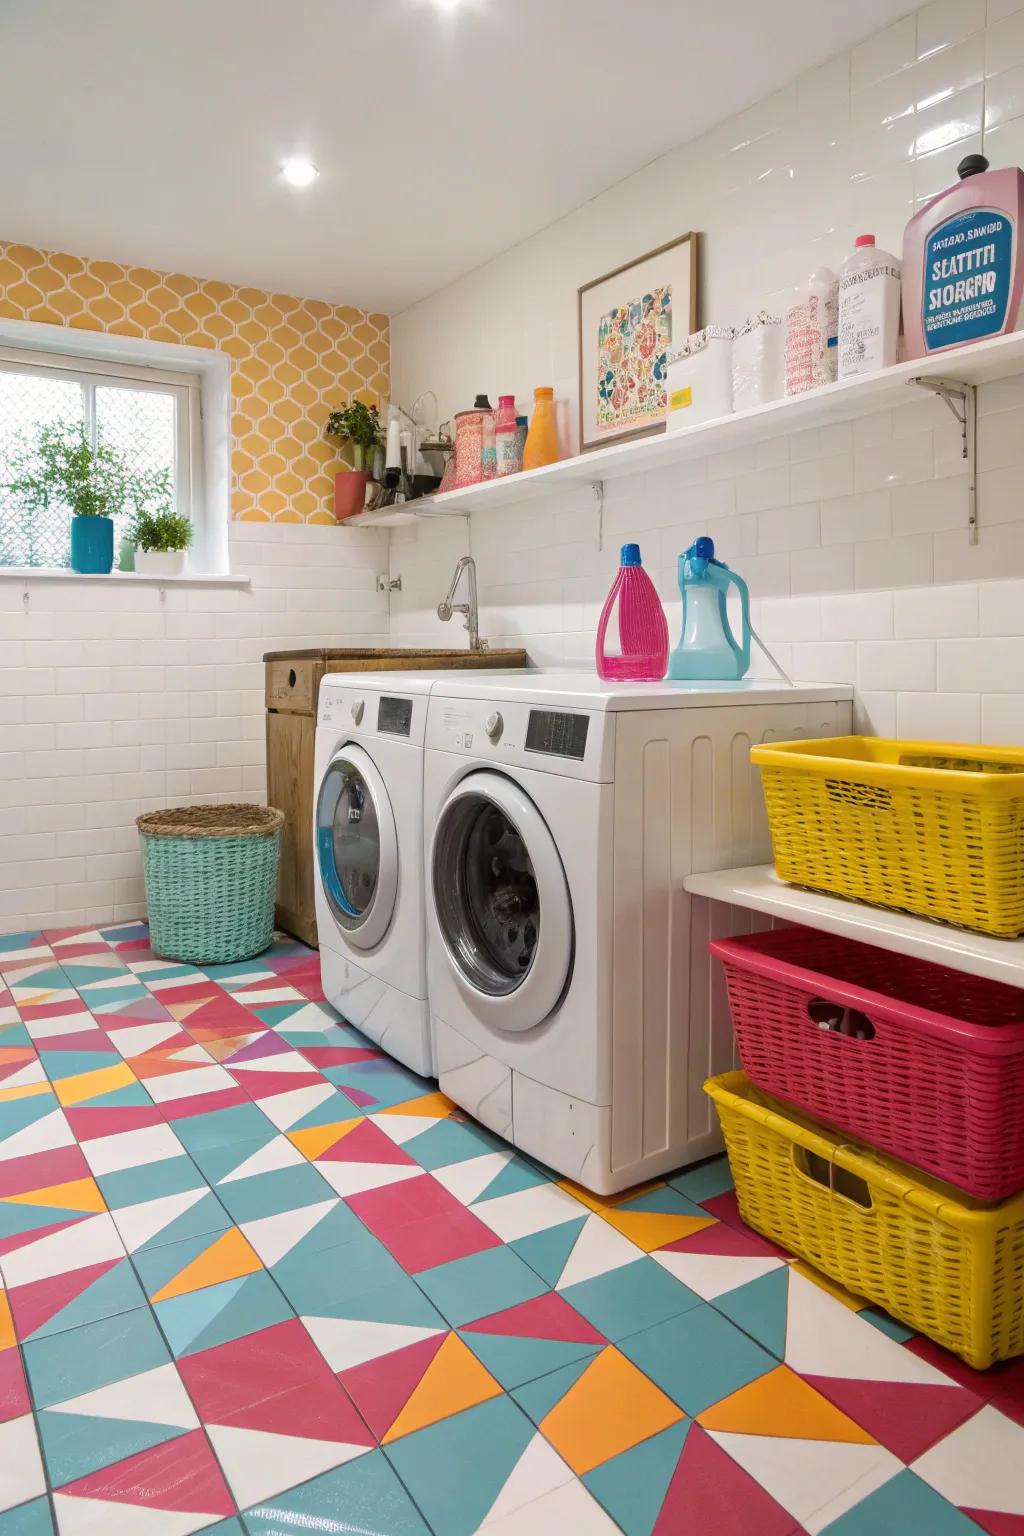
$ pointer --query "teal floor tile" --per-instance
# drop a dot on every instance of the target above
(697, 1358)
(268, 1194)
(216, 1162)
(633, 1485)
(760, 1308)
(232, 1527)
(222, 1127)
(10, 943)
(456, 1469)
(32, 1519)
(705, 1181)
(157, 1266)
(364, 1497)
(473, 1287)
(518, 1174)
(513, 1360)
(67, 1364)
(114, 1292)
(546, 1252)
(323, 1286)
(219, 1313)
(61, 1064)
(76, 1444)
(537, 1398)
(17, 1114)
(886, 1324)
(151, 1181)
(16, 1219)
(634, 1296)
(901, 1506)
(206, 1216)
(665, 1201)
(378, 1084)
(451, 1141)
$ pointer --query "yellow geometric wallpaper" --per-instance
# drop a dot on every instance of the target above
(293, 361)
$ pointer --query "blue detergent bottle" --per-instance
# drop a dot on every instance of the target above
(708, 651)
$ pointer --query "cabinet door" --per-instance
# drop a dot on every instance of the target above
(290, 740)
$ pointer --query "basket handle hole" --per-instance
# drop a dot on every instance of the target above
(840, 1181)
(291, 678)
(838, 1020)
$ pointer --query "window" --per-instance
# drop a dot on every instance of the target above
(149, 417)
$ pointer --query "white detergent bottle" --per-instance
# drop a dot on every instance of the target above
(869, 309)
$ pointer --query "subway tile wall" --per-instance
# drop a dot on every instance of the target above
(853, 538)
(117, 701)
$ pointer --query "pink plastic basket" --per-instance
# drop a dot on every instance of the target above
(923, 1062)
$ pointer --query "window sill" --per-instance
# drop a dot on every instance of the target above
(23, 573)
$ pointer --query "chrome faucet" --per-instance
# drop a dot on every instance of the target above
(470, 610)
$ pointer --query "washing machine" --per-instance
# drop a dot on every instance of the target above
(368, 841)
(573, 1008)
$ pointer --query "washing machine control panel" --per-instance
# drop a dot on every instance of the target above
(575, 742)
(393, 715)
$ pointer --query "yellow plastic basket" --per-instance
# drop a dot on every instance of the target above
(934, 828)
(941, 1262)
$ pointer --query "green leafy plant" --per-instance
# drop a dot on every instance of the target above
(162, 531)
(358, 424)
(62, 466)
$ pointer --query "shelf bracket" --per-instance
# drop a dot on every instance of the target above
(597, 487)
(962, 401)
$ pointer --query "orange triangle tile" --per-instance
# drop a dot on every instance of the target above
(228, 1258)
(609, 1409)
(653, 1229)
(26, 1091)
(75, 1195)
(317, 1139)
(601, 1203)
(14, 1053)
(221, 1047)
(8, 1338)
(90, 1085)
(834, 1289)
(433, 1104)
(162, 1064)
(782, 1404)
(453, 1380)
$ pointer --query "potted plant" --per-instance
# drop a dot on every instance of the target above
(358, 424)
(62, 466)
(161, 540)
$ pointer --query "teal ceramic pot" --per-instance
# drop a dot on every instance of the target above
(92, 545)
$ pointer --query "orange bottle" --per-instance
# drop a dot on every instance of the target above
(542, 438)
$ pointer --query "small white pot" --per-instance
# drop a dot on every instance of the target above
(160, 562)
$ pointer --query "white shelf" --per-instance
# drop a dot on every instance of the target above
(23, 573)
(982, 363)
(761, 890)
(382, 517)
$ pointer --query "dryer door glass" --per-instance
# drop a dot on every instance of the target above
(356, 846)
(500, 896)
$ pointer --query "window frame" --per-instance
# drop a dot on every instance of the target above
(184, 388)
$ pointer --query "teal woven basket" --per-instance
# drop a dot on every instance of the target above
(211, 873)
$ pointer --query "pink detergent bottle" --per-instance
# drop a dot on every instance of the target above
(643, 632)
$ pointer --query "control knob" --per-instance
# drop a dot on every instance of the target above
(357, 710)
(494, 725)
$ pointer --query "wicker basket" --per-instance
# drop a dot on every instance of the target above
(934, 828)
(211, 872)
(939, 1261)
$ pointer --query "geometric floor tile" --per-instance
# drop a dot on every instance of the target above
(362, 1496)
(263, 1281)
(458, 1470)
(597, 1408)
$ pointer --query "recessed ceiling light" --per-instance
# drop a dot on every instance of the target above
(299, 172)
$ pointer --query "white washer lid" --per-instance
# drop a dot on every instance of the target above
(584, 690)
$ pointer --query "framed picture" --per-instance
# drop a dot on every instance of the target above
(627, 321)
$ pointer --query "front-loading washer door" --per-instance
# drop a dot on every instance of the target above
(502, 902)
(357, 847)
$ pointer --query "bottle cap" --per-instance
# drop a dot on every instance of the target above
(631, 554)
(544, 392)
(703, 548)
(971, 165)
(507, 400)
(864, 240)
(522, 421)
(481, 403)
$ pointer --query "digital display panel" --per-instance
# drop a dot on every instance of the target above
(556, 733)
(394, 716)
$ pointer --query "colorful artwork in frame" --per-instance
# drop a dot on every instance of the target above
(627, 321)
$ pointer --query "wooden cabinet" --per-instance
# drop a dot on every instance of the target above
(292, 685)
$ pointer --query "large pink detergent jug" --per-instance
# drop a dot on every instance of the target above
(643, 632)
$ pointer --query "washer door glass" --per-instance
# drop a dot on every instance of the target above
(501, 898)
(357, 847)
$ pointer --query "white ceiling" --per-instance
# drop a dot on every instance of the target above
(151, 131)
